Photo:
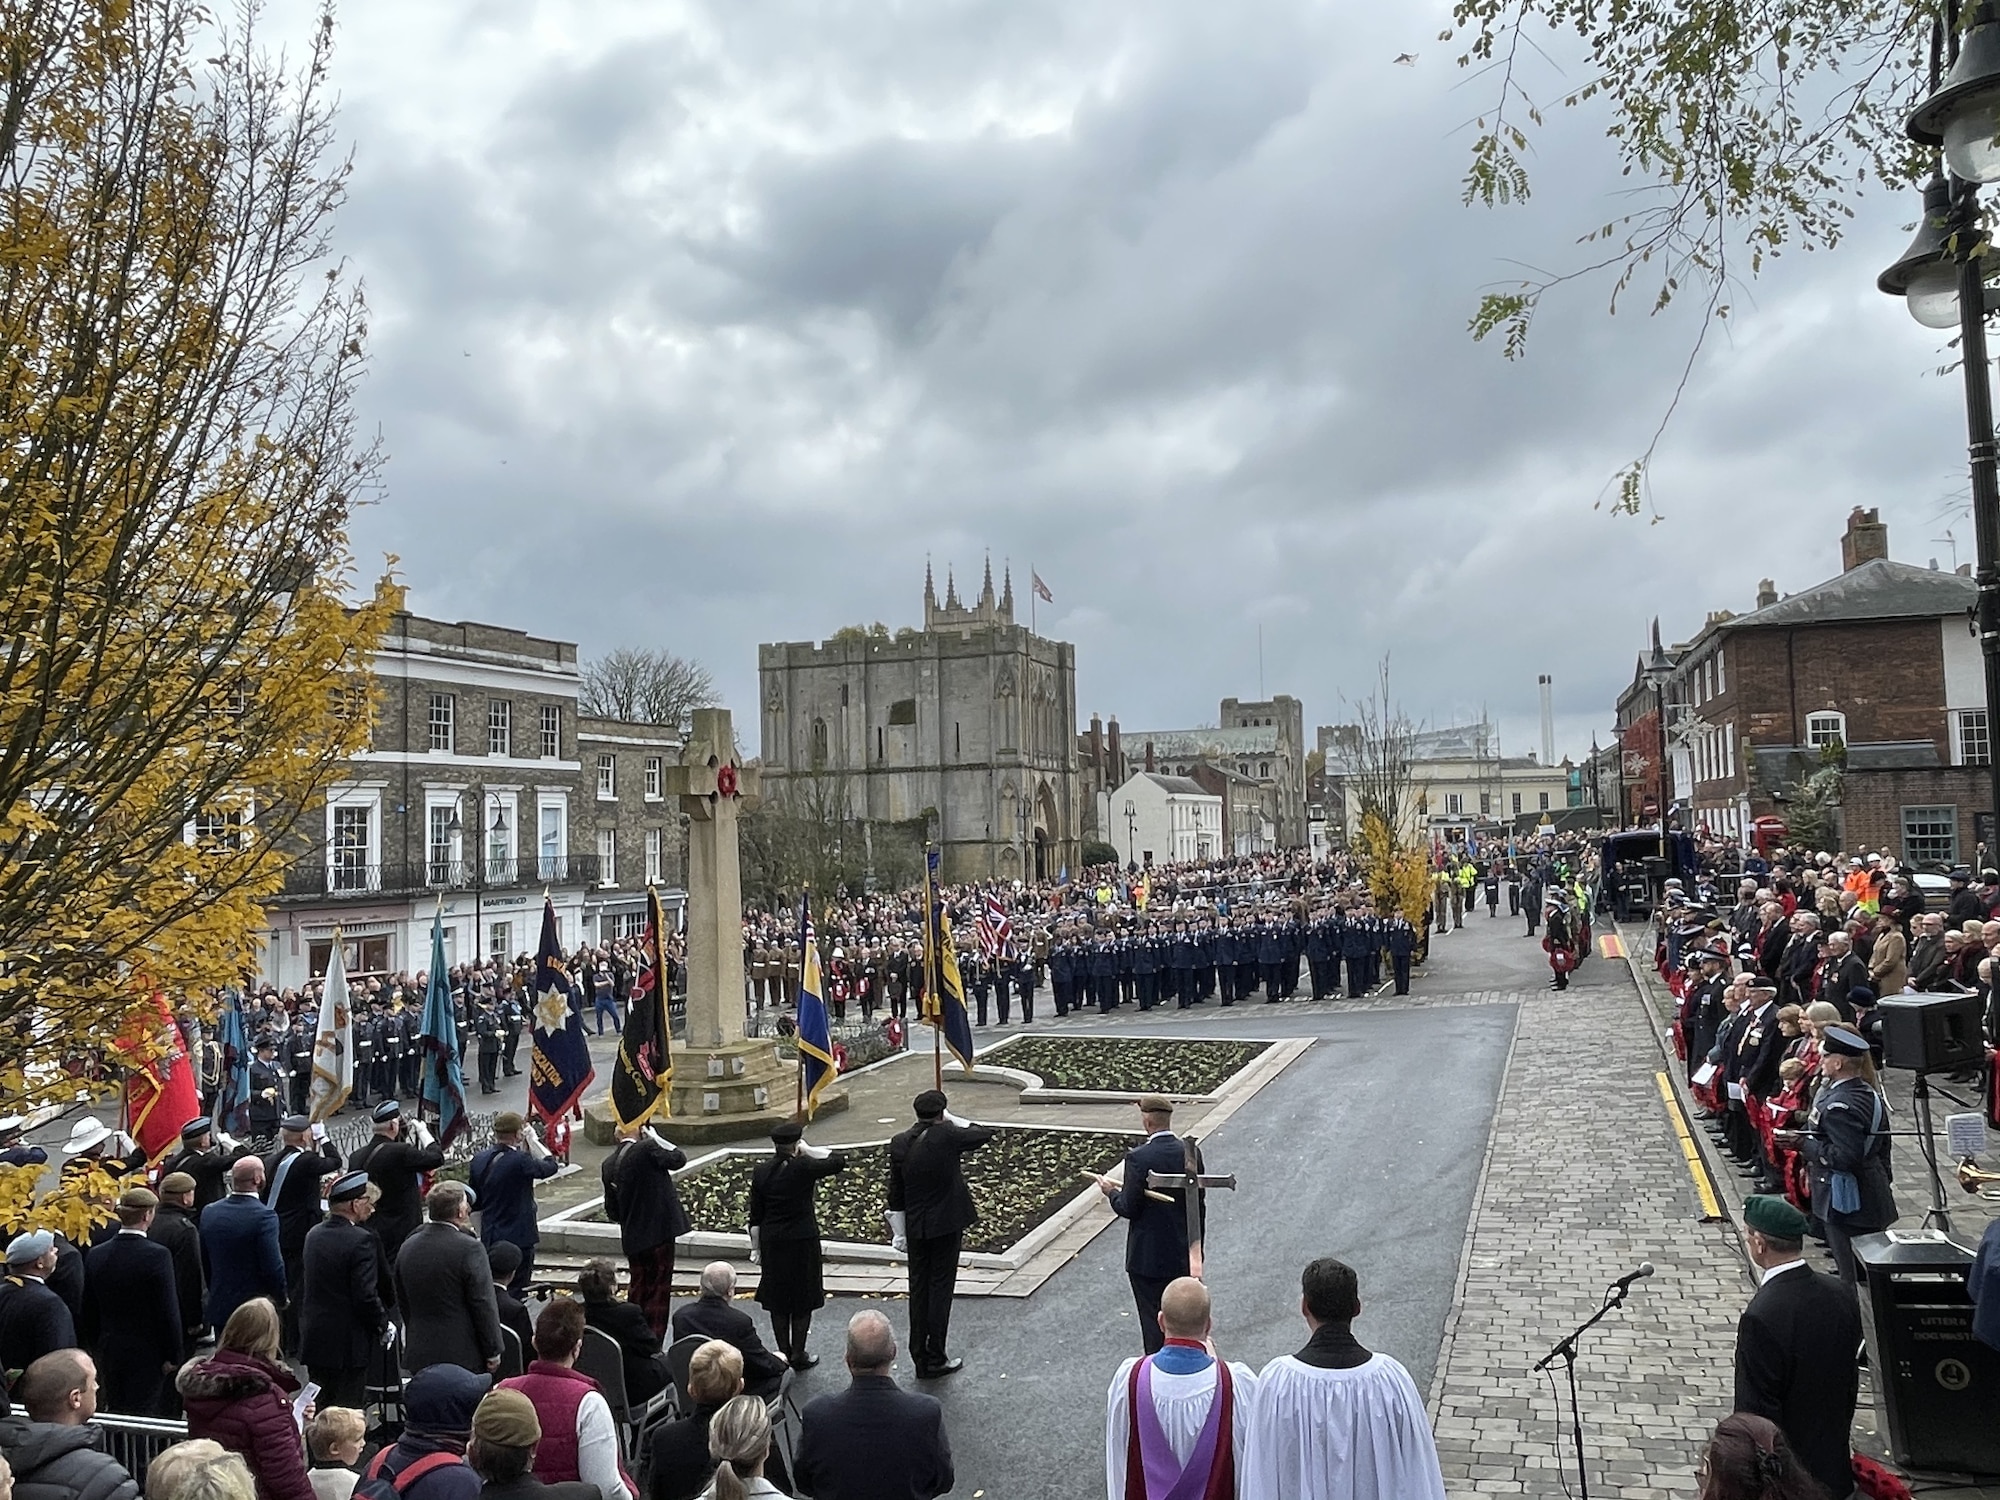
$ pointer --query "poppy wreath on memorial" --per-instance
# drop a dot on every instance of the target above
(725, 781)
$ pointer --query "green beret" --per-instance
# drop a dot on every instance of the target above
(1774, 1217)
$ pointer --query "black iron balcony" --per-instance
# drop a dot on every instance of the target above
(336, 877)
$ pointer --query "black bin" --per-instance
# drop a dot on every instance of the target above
(1940, 1386)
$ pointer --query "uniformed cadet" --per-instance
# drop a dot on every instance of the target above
(511, 1018)
(486, 1026)
(1400, 938)
(295, 1057)
(342, 1315)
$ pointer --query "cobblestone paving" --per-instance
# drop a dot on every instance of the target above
(1584, 1181)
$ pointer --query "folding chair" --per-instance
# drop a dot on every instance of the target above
(384, 1387)
(603, 1361)
(512, 1357)
(680, 1355)
(785, 1416)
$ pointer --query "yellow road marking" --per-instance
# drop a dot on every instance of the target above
(1703, 1188)
(1611, 945)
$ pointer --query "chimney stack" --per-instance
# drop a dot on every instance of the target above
(1149, 757)
(1097, 743)
(1548, 720)
(1115, 774)
(1865, 539)
(1767, 593)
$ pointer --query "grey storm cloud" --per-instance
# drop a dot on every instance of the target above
(700, 325)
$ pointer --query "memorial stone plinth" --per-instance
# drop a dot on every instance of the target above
(727, 1086)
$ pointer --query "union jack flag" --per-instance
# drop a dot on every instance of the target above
(996, 929)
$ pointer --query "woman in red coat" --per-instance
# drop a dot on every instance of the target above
(241, 1396)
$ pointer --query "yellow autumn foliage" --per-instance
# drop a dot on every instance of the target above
(177, 468)
(1399, 878)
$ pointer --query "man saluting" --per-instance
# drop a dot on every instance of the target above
(930, 1208)
(1177, 1421)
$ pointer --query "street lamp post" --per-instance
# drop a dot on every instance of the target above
(1943, 278)
(477, 864)
(1131, 831)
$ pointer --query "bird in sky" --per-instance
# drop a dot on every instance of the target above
(1406, 60)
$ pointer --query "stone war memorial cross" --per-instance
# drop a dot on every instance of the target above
(726, 1085)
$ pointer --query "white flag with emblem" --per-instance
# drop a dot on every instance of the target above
(333, 1050)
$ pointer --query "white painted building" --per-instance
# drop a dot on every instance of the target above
(1166, 819)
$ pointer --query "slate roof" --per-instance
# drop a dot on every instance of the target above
(1179, 786)
(1195, 744)
(1879, 589)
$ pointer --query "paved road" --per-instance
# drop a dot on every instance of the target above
(1368, 1147)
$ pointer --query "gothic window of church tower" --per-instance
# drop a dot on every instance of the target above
(819, 739)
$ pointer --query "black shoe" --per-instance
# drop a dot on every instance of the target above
(938, 1372)
(805, 1361)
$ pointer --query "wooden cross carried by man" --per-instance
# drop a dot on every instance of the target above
(1192, 1183)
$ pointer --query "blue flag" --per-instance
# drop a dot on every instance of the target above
(232, 1094)
(816, 1065)
(443, 1085)
(944, 990)
(559, 1068)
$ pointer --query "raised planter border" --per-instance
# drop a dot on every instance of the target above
(1035, 1089)
(568, 1231)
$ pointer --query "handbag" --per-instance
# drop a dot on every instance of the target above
(1843, 1189)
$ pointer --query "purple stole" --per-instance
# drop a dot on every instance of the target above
(1151, 1470)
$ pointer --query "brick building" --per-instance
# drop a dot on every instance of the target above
(1879, 659)
(475, 788)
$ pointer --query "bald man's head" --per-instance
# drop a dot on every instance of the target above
(871, 1343)
(1184, 1309)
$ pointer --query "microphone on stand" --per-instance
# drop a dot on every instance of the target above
(1624, 1283)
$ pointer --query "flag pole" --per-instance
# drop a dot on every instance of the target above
(1032, 576)
(805, 936)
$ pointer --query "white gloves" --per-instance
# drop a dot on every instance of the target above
(389, 1336)
(952, 1119)
(225, 1140)
(533, 1144)
(653, 1131)
(898, 1230)
(122, 1143)
(421, 1134)
(817, 1153)
(756, 1246)
(319, 1131)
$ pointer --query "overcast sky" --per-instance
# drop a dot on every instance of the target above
(701, 325)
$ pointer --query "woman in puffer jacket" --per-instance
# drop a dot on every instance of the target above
(241, 1396)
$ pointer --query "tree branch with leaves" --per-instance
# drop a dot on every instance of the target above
(178, 463)
(1746, 128)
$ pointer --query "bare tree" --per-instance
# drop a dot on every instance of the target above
(646, 687)
(1377, 754)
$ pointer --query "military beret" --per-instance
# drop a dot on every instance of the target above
(388, 1109)
(24, 1249)
(787, 1133)
(176, 1183)
(506, 1419)
(508, 1122)
(349, 1186)
(929, 1104)
(1843, 1042)
(1155, 1104)
(1772, 1215)
(296, 1123)
(138, 1197)
(194, 1130)
(1862, 995)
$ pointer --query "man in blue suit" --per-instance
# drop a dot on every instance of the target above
(1156, 1234)
(239, 1245)
(503, 1186)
